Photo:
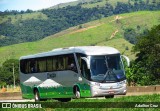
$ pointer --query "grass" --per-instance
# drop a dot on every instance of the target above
(93, 33)
(128, 104)
(130, 101)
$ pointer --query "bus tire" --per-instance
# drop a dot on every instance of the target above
(77, 92)
(36, 96)
(109, 96)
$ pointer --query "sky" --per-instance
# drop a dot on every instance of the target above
(29, 4)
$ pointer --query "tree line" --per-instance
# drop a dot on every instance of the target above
(61, 19)
(145, 70)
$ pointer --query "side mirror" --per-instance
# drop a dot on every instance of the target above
(87, 61)
(127, 60)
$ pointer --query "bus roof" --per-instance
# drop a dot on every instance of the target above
(88, 50)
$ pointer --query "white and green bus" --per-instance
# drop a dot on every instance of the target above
(74, 72)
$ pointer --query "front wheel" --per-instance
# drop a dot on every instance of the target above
(36, 96)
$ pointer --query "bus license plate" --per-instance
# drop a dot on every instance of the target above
(111, 92)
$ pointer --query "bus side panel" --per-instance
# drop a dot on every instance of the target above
(27, 92)
(84, 89)
(56, 92)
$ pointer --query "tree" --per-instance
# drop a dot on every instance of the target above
(148, 51)
(130, 35)
(6, 72)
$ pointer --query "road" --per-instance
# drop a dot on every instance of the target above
(20, 100)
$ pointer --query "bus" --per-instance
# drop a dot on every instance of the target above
(73, 72)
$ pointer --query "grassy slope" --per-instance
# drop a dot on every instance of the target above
(96, 32)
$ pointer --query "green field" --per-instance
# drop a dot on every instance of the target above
(93, 33)
(130, 102)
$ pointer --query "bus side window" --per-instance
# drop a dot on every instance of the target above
(55, 63)
(23, 66)
(71, 64)
(60, 63)
(84, 70)
(32, 66)
(49, 64)
(42, 64)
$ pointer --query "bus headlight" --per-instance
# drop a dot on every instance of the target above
(122, 83)
(95, 84)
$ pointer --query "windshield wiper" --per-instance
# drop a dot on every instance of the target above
(109, 72)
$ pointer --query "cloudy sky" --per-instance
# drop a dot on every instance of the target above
(29, 4)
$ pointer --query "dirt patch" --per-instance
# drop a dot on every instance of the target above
(10, 96)
(116, 18)
(113, 34)
(84, 29)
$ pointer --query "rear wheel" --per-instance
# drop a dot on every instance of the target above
(109, 96)
(36, 96)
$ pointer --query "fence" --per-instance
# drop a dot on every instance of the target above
(11, 88)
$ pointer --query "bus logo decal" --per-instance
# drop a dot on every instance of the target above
(51, 75)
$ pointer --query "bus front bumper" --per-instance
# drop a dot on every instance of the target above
(98, 91)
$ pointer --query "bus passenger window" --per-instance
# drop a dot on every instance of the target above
(55, 63)
(42, 65)
(60, 63)
(32, 66)
(71, 63)
(23, 66)
(49, 64)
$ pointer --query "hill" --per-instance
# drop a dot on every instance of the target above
(106, 31)
(19, 27)
(100, 3)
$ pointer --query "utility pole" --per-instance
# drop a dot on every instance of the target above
(13, 76)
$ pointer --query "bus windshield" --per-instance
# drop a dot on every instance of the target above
(107, 68)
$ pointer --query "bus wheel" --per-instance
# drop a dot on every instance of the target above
(77, 92)
(109, 96)
(36, 96)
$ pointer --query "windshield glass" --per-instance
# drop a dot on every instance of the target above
(107, 68)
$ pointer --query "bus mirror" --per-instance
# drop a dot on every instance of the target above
(87, 61)
(127, 60)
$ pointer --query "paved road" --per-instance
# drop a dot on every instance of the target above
(116, 96)
(21, 100)
(32, 100)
